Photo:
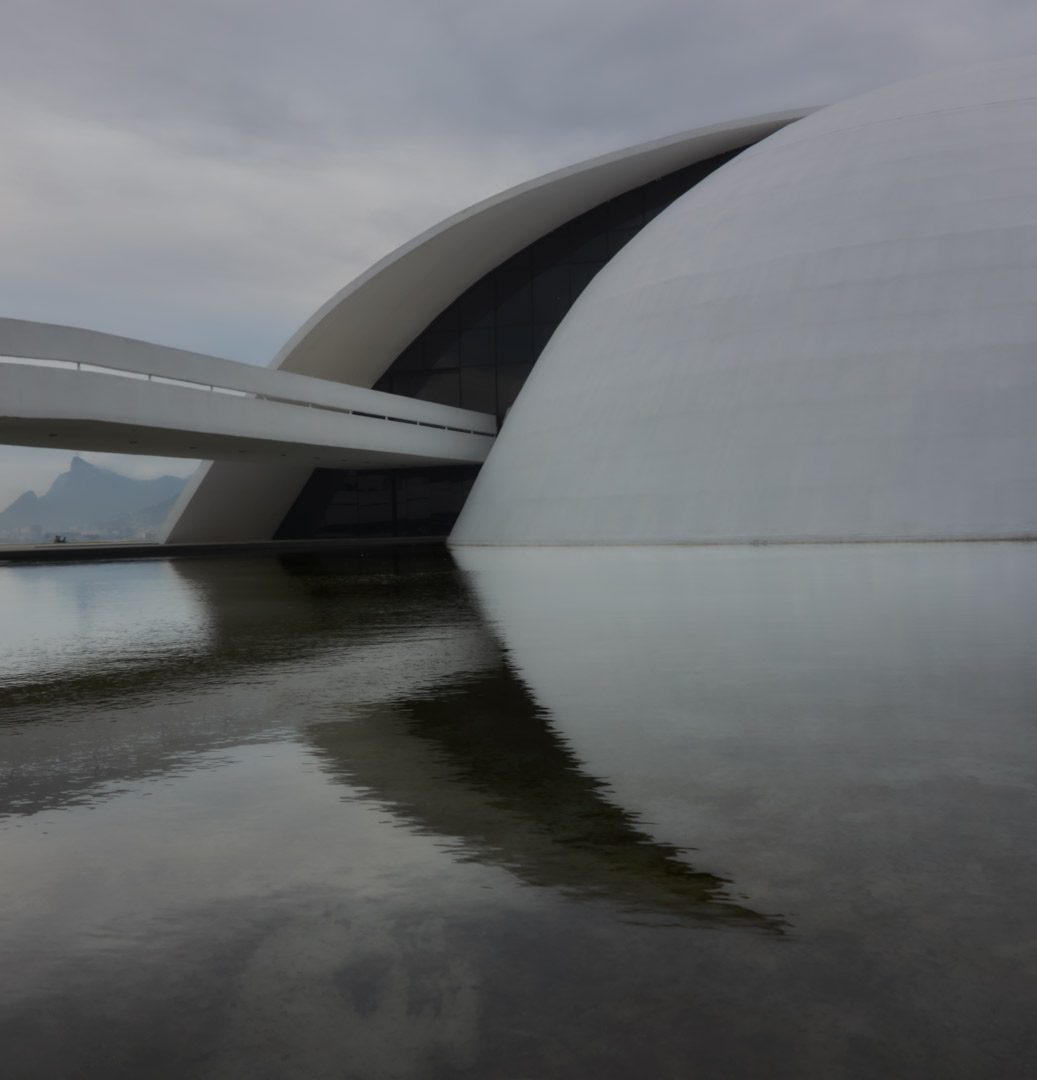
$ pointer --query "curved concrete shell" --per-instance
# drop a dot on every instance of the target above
(833, 336)
(360, 331)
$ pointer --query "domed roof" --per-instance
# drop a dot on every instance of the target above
(834, 336)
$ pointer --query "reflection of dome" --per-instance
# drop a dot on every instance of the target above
(833, 335)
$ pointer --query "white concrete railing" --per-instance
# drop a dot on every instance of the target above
(22, 341)
(124, 373)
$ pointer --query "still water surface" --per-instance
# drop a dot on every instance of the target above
(728, 812)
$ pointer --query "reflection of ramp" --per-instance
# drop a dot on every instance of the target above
(359, 631)
(479, 763)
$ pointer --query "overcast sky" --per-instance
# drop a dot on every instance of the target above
(205, 173)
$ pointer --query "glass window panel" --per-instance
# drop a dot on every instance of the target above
(479, 389)
(446, 320)
(413, 357)
(670, 187)
(625, 212)
(412, 501)
(514, 298)
(619, 238)
(476, 305)
(549, 249)
(406, 383)
(476, 347)
(521, 260)
(440, 386)
(510, 378)
(441, 348)
(374, 510)
(653, 210)
(541, 336)
(580, 276)
(361, 502)
(515, 345)
(340, 514)
(592, 223)
(429, 500)
(591, 249)
(307, 513)
(551, 295)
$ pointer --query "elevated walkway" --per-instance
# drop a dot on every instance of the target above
(83, 390)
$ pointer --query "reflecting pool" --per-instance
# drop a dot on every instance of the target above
(533, 813)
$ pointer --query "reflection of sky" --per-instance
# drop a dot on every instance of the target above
(367, 825)
(195, 919)
(283, 645)
(116, 615)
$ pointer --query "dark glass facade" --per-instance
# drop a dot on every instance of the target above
(379, 502)
(477, 353)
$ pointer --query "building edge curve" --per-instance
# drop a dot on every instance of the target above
(357, 334)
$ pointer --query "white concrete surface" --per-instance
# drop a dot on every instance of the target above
(360, 331)
(49, 341)
(834, 336)
(60, 407)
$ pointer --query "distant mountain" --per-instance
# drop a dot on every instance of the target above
(88, 502)
(143, 523)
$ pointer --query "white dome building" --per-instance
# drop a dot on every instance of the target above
(833, 336)
(810, 325)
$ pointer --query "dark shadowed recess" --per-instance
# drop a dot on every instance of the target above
(476, 355)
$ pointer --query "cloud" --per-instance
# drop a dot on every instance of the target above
(247, 77)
